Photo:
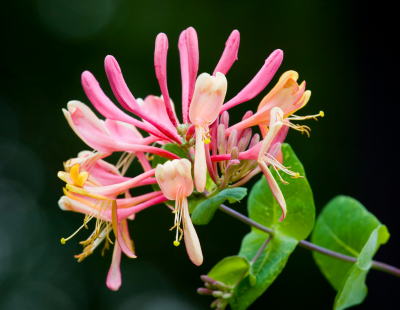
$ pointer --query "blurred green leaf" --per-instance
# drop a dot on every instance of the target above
(230, 270)
(205, 210)
(264, 209)
(345, 226)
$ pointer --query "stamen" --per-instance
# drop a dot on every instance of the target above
(301, 128)
(268, 158)
(280, 178)
(63, 240)
(301, 118)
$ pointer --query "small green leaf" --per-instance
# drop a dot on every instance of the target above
(230, 270)
(264, 209)
(265, 269)
(205, 210)
(353, 289)
(345, 226)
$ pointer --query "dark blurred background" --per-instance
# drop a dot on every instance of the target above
(346, 53)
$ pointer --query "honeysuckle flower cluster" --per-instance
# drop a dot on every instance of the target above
(228, 154)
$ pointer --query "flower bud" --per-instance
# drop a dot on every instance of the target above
(225, 119)
(232, 141)
(247, 115)
(254, 140)
(235, 153)
(206, 279)
(244, 141)
(227, 296)
(217, 293)
(221, 142)
(204, 291)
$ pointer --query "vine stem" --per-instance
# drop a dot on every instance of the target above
(308, 245)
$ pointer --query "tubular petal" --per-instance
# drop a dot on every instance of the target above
(258, 83)
(208, 98)
(200, 166)
(183, 54)
(192, 242)
(193, 60)
(108, 109)
(114, 280)
(230, 53)
(118, 232)
(112, 191)
(160, 64)
(276, 191)
(127, 100)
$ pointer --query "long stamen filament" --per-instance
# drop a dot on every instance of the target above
(301, 118)
(63, 240)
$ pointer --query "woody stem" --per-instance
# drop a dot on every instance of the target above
(311, 246)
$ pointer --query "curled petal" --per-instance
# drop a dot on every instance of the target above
(114, 280)
(258, 83)
(230, 53)
(127, 249)
(192, 242)
(276, 191)
(160, 64)
(127, 100)
(110, 191)
(108, 109)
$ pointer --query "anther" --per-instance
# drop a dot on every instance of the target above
(322, 113)
(62, 240)
(207, 141)
(176, 243)
(297, 175)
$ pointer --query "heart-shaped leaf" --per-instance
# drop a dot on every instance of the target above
(345, 226)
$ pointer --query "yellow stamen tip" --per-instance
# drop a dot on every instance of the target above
(297, 175)
(62, 240)
(176, 243)
(322, 113)
(207, 141)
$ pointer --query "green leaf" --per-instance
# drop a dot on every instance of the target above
(264, 209)
(230, 270)
(205, 210)
(345, 226)
(265, 269)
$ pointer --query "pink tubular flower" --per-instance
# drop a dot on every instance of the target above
(286, 95)
(259, 82)
(207, 100)
(96, 134)
(175, 181)
(155, 106)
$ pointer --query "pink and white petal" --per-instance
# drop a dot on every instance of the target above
(200, 165)
(192, 242)
(230, 53)
(114, 279)
(276, 191)
(183, 55)
(160, 64)
(259, 82)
